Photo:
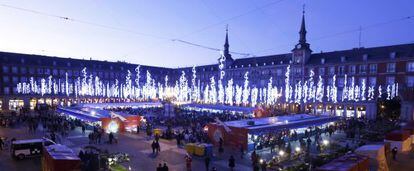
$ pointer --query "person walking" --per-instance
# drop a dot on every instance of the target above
(232, 162)
(154, 147)
(111, 137)
(83, 129)
(241, 151)
(394, 153)
(158, 146)
(165, 167)
(207, 162)
(188, 161)
(159, 168)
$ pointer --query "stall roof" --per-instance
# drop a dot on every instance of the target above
(282, 122)
(91, 114)
(221, 107)
(131, 104)
(61, 152)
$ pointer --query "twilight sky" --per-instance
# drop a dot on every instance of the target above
(255, 27)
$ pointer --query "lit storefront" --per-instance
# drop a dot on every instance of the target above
(339, 110)
(350, 112)
(16, 104)
(32, 103)
(361, 112)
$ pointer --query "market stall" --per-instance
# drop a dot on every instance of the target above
(60, 158)
(376, 154)
(348, 162)
(109, 120)
(410, 128)
(217, 108)
(244, 132)
(400, 139)
(133, 105)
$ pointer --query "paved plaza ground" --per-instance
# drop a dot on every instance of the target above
(138, 147)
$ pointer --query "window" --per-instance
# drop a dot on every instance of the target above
(390, 80)
(365, 57)
(23, 70)
(47, 71)
(14, 70)
(5, 69)
(341, 82)
(372, 81)
(15, 79)
(391, 67)
(6, 79)
(410, 67)
(352, 69)
(279, 72)
(393, 55)
(363, 69)
(341, 70)
(39, 71)
(373, 68)
(323, 61)
(6, 90)
(298, 71)
(343, 58)
(331, 70)
(321, 71)
(410, 81)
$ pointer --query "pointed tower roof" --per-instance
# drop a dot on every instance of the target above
(302, 31)
(226, 43)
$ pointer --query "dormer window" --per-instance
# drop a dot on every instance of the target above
(273, 63)
(393, 55)
(365, 57)
(323, 61)
(343, 58)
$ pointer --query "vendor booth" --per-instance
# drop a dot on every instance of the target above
(348, 162)
(244, 132)
(133, 105)
(410, 128)
(400, 139)
(110, 121)
(376, 155)
(60, 158)
(217, 108)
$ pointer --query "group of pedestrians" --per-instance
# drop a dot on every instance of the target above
(162, 167)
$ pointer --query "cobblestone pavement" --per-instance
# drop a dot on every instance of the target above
(139, 148)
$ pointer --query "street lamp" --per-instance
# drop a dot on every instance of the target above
(281, 153)
(325, 142)
(297, 149)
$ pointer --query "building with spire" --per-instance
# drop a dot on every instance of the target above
(374, 66)
(228, 60)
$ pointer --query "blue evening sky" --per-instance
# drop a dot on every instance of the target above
(253, 28)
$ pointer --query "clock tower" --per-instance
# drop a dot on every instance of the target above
(302, 51)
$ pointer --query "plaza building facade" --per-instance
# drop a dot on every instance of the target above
(374, 66)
